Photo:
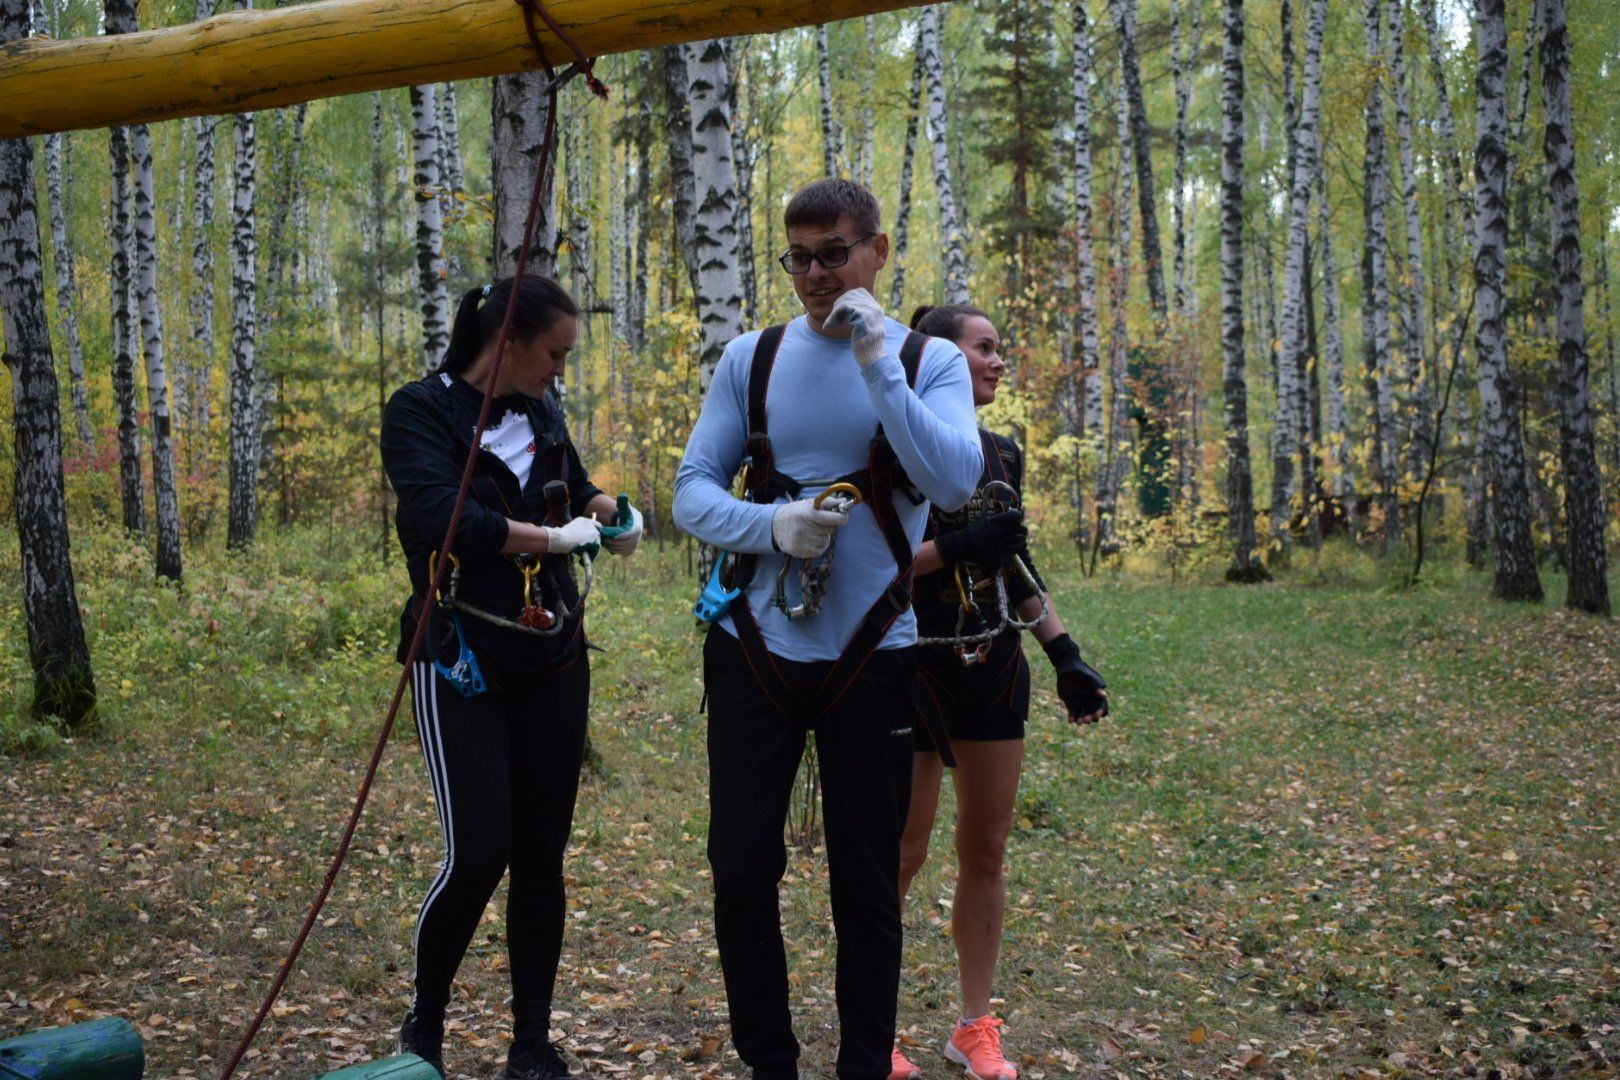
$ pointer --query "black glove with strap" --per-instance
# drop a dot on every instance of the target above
(988, 541)
(1078, 684)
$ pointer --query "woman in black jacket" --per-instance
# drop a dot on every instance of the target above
(976, 695)
(502, 685)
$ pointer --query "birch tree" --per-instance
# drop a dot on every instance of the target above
(954, 253)
(450, 169)
(902, 219)
(57, 184)
(1341, 473)
(832, 143)
(1420, 407)
(1583, 485)
(1111, 477)
(164, 494)
(1375, 285)
(1246, 565)
(200, 302)
(1184, 46)
(1516, 574)
(1125, 13)
(1085, 344)
(432, 293)
(677, 102)
(64, 685)
(120, 19)
(519, 114)
(1292, 372)
(245, 429)
(714, 235)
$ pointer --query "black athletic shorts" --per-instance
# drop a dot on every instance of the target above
(983, 702)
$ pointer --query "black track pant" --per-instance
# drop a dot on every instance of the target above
(505, 770)
(864, 747)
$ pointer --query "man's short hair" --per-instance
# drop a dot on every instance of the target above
(822, 202)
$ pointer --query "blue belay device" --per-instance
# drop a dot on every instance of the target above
(105, 1049)
(716, 599)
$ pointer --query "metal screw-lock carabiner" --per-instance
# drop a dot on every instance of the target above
(973, 649)
(813, 573)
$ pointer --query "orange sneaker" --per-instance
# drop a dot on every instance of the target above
(977, 1047)
(900, 1066)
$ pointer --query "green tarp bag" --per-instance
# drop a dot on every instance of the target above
(404, 1067)
(106, 1049)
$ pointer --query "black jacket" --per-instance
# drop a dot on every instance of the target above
(426, 432)
(936, 597)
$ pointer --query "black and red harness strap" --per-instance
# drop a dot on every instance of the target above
(880, 483)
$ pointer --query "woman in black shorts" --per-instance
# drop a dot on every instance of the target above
(502, 686)
(977, 696)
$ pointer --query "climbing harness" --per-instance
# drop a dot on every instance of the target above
(879, 484)
(814, 573)
(582, 66)
(974, 648)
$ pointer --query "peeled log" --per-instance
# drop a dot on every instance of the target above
(258, 59)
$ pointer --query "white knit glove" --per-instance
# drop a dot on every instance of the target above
(627, 541)
(560, 540)
(802, 531)
(860, 311)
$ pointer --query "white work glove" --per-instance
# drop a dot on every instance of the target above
(627, 541)
(860, 311)
(560, 540)
(800, 530)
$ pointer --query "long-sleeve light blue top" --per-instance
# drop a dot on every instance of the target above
(823, 409)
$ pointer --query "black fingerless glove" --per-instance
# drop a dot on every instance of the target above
(987, 541)
(1078, 684)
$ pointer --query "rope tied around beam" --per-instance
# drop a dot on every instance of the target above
(582, 66)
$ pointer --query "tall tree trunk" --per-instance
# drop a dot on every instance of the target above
(867, 164)
(954, 252)
(120, 19)
(678, 117)
(450, 171)
(1086, 364)
(164, 494)
(1293, 371)
(1142, 151)
(832, 143)
(64, 685)
(1516, 575)
(1246, 565)
(519, 116)
(1419, 404)
(1111, 477)
(1583, 483)
(377, 242)
(1375, 286)
(58, 183)
(902, 219)
(1184, 62)
(1341, 478)
(244, 425)
(743, 156)
(714, 250)
(1606, 306)
(432, 293)
(200, 302)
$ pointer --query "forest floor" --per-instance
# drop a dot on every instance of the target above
(1332, 829)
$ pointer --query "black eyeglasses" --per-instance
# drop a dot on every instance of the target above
(832, 257)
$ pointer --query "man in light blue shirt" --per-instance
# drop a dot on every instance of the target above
(837, 377)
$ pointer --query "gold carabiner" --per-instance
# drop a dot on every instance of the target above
(849, 490)
(964, 589)
(433, 568)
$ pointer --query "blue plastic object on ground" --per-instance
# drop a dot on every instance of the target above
(106, 1049)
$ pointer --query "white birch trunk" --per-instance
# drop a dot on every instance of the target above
(953, 251)
(1414, 289)
(714, 235)
(164, 494)
(1516, 574)
(1375, 286)
(244, 413)
(1246, 565)
(832, 143)
(1341, 475)
(519, 113)
(57, 184)
(743, 156)
(1086, 333)
(1111, 477)
(64, 686)
(1584, 510)
(902, 219)
(432, 293)
(200, 303)
(450, 170)
(1289, 448)
(867, 163)
(120, 19)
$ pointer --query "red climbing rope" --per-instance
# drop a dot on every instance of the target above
(582, 65)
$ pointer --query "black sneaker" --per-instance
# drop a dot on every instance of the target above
(541, 1062)
(424, 1038)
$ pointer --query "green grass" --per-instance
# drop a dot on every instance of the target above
(1333, 828)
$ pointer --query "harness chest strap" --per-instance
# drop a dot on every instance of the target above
(880, 481)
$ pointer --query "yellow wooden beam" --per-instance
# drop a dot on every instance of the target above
(258, 59)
